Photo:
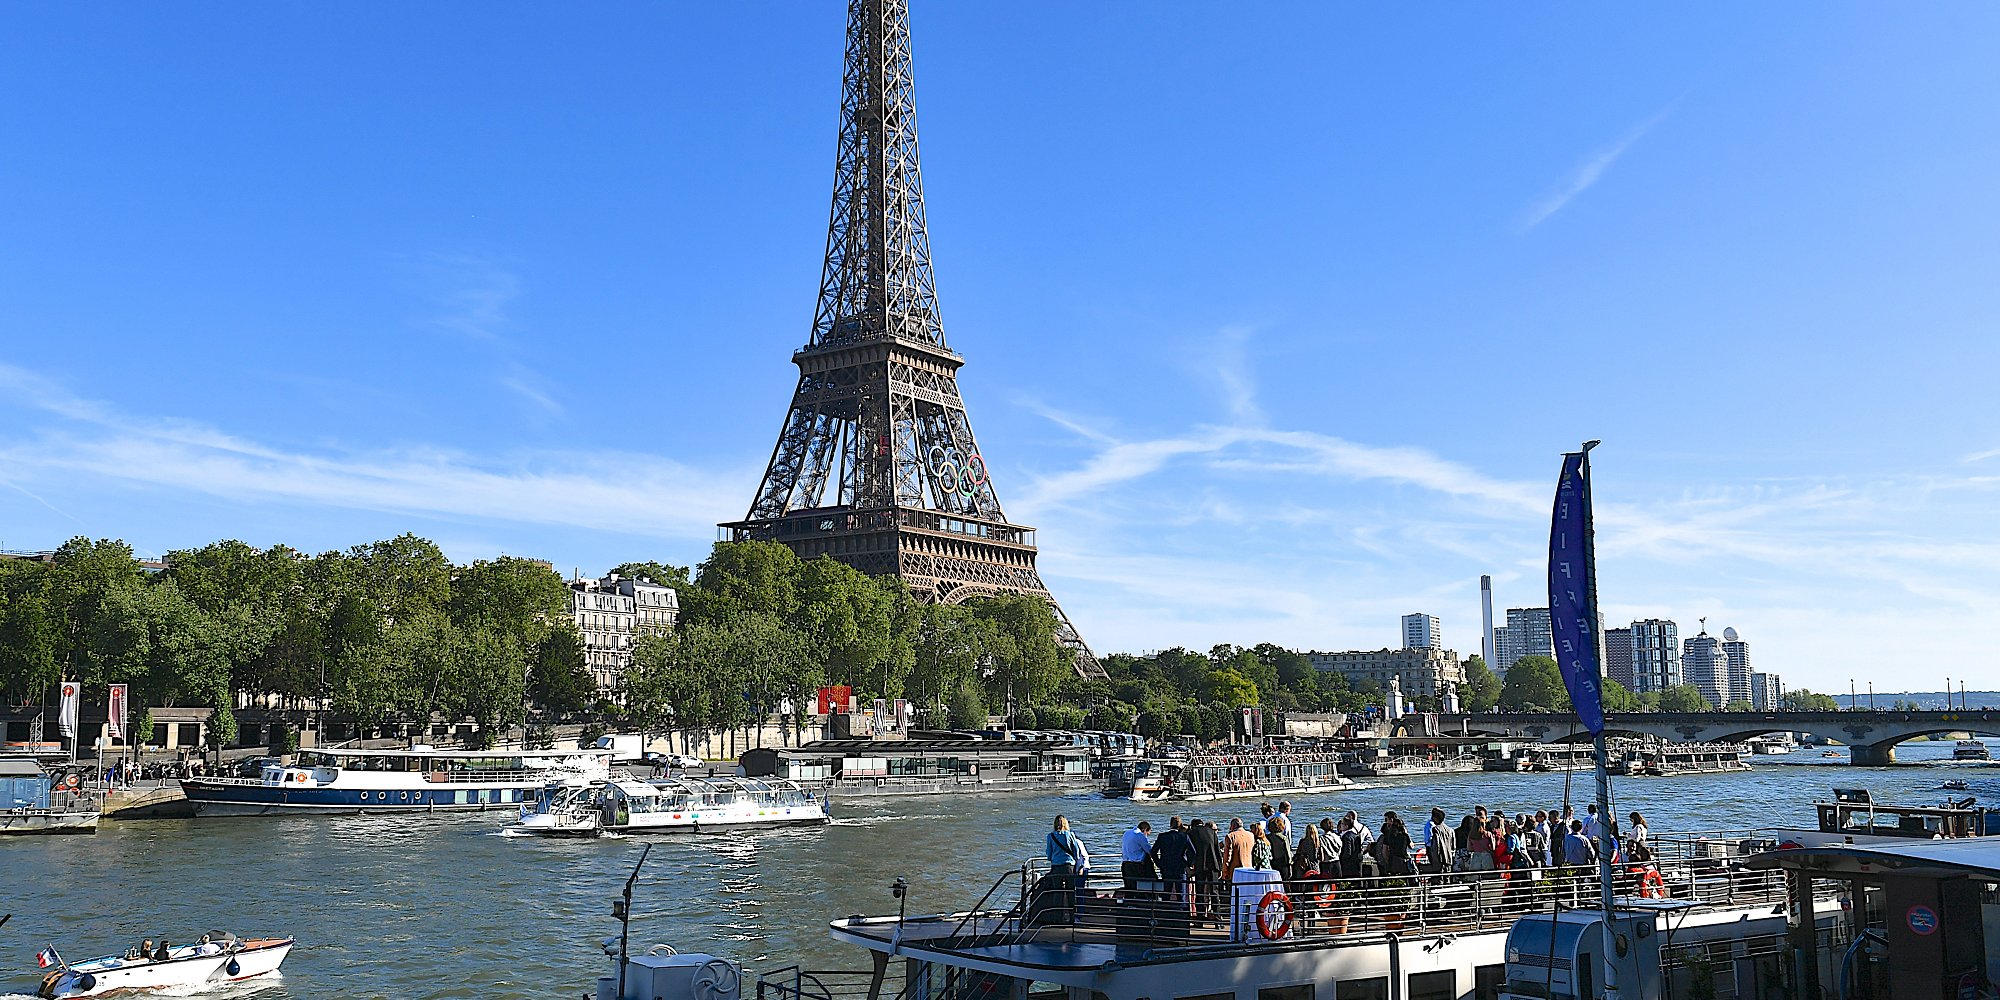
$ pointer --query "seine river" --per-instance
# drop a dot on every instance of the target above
(444, 907)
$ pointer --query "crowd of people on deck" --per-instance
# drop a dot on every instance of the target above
(1195, 860)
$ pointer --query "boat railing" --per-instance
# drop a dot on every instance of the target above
(1201, 914)
(798, 983)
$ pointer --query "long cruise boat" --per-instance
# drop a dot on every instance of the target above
(1704, 921)
(417, 779)
(1258, 774)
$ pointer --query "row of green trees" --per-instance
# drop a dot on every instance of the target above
(761, 630)
(377, 632)
(393, 630)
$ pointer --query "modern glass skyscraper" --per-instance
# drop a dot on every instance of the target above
(1420, 631)
(1527, 634)
(1707, 668)
(1618, 656)
(1656, 655)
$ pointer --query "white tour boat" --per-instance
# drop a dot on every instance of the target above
(418, 779)
(1258, 774)
(667, 806)
(1705, 919)
(219, 958)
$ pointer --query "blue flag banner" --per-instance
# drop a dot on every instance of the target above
(1571, 616)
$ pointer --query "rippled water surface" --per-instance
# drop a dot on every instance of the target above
(444, 907)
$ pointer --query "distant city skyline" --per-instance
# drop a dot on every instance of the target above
(526, 283)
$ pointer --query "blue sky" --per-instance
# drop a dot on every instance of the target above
(1277, 316)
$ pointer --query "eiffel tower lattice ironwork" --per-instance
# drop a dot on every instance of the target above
(876, 465)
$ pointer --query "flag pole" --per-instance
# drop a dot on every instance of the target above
(1607, 833)
(1579, 647)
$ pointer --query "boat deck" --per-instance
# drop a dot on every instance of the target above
(1029, 919)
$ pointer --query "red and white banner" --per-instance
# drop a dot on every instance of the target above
(114, 723)
(66, 712)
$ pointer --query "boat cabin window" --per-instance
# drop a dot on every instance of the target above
(1303, 991)
(1362, 989)
(1487, 981)
(1439, 985)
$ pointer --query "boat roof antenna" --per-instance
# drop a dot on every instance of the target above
(622, 909)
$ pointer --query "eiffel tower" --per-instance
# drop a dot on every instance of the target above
(876, 465)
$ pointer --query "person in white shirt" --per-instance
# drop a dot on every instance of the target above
(1136, 856)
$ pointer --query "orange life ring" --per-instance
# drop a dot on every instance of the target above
(1264, 926)
(1651, 885)
(71, 781)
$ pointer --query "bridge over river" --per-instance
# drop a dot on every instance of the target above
(1870, 736)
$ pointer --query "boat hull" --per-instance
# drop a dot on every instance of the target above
(17, 822)
(209, 798)
(108, 975)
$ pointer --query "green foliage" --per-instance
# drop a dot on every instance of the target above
(1808, 701)
(1482, 686)
(967, 706)
(1619, 698)
(559, 678)
(1743, 705)
(1534, 684)
(1683, 698)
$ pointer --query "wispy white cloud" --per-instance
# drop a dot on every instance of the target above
(1981, 456)
(1585, 174)
(628, 493)
(470, 297)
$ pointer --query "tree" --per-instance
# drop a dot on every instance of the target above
(559, 678)
(1231, 689)
(1028, 663)
(966, 706)
(1803, 700)
(1618, 698)
(1683, 698)
(519, 598)
(1534, 684)
(741, 578)
(1741, 705)
(1482, 686)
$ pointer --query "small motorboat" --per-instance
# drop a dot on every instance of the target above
(1829, 753)
(1954, 785)
(560, 809)
(216, 958)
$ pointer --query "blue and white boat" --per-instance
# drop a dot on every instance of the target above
(417, 779)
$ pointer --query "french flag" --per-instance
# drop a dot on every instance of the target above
(47, 957)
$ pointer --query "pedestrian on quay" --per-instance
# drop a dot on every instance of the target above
(1173, 852)
(1135, 857)
(1441, 846)
(1207, 869)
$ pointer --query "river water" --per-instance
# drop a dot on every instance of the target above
(444, 907)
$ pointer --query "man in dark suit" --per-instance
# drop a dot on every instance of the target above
(1207, 868)
(1174, 853)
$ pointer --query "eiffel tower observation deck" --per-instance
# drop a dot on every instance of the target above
(876, 465)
